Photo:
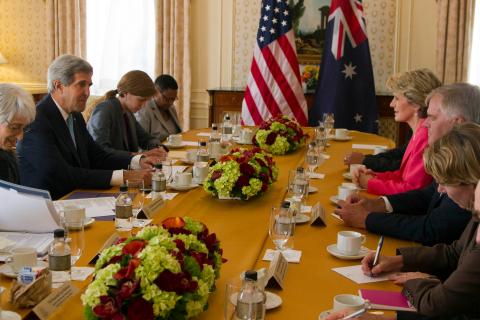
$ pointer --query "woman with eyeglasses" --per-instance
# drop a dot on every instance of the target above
(17, 111)
(159, 117)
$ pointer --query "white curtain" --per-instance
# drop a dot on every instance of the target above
(120, 38)
(473, 74)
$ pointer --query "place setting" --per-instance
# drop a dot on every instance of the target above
(342, 135)
(355, 303)
(349, 246)
(19, 258)
(182, 181)
(245, 137)
(345, 190)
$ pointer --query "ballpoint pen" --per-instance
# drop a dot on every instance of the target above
(355, 314)
(377, 253)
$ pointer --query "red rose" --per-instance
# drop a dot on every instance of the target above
(242, 181)
(128, 271)
(134, 247)
(173, 222)
(180, 245)
(176, 282)
(247, 169)
(216, 174)
(271, 138)
(260, 162)
(201, 258)
(140, 309)
(107, 308)
(127, 289)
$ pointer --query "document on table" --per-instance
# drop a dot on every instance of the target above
(355, 274)
(18, 210)
(39, 241)
(190, 143)
(367, 146)
(94, 207)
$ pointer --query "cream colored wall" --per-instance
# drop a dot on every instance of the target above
(23, 41)
(224, 31)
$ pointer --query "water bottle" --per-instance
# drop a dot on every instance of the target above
(251, 299)
(214, 148)
(226, 128)
(159, 182)
(123, 210)
(214, 134)
(59, 258)
(300, 182)
(202, 152)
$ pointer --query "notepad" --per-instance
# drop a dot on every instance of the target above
(386, 300)
(355, 274)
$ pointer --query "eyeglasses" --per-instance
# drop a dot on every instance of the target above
(169, 99)
(17, 128)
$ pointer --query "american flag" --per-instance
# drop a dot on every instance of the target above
(345, 86)
(274, 85)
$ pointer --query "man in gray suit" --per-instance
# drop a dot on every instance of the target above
(159, 117)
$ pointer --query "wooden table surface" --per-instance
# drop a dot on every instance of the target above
(242, 227)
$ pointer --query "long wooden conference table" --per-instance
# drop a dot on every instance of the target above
(242, 227)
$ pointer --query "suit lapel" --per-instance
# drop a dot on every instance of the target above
(133, 133)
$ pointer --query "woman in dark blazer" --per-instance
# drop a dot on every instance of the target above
(17, 110)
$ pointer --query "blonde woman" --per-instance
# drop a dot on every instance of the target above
(409, 92)
(112, 123)
(443, 281)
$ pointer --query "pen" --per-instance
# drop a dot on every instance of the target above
(355, 314)
(377, 253)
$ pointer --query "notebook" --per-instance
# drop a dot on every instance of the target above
(9, 240)
(386, 300)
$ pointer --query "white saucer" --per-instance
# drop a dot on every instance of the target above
(173, 146)
(312, 189)
(301, 218)
(273, 300)
(7, 270)
(182, 188)
(333, 250)
(9, 315)
(334, 199)
(88, 222)
(347, 176)
(324, 314)
(198, 181)
(342, 139)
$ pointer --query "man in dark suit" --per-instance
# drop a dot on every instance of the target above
(58, 153)
(425, 215)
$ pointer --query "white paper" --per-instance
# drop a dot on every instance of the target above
(306, 209)
(190, 143)
(39, 241)
(316, 175)
(203, 134)
(367, 146)
(26, 213)
(81, 273)
(290, 255)
(94, 207)
(355, 274)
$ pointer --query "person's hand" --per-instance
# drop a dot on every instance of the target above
(363, 178)
(353, 158)
(352, 214)
(159, 153)
(144, 174)
(384, 264)
(356, 173)
(149, 162)
(401, 277)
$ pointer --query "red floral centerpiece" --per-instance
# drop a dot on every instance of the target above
(280, 135)
(164, 272)
(241, 174)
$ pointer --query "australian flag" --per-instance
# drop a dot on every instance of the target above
(345, 85)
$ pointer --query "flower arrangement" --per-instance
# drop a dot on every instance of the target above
(164, 272)
(242, 173)
(310, 76)
(280, 135)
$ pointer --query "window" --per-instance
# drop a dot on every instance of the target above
(120, 38)
(473, 69)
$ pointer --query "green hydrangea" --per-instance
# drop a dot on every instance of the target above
(192, 225)
(163, 301)
(278, 127)
(107, 254)
(155, 259)
(230, 173)
(254, 187)
(191, 242)
(99, 286)
(280, 146)
(149, 232)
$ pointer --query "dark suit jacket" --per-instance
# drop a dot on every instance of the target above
(389, 160)
(49, 160)
(424, 216)
(156, 122)
(9, 167)
(455, 292)
(107, 127)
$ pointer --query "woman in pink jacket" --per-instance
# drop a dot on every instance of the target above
(410, 90)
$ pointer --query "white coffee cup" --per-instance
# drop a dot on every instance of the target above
(350, 301)
(175, 139)
(379, 149)
(236, 130)
(191, 155)
(200, 171)
(341, 133)
(73, 214)
(349, 185)
(246, 135)
(354, 167)
(183, 179)
(22, 257)
(345, 191)
(350, 242)
(215, 149)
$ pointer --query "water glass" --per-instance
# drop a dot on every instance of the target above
(312, 159)
(232, 289)
(74, 233)
(329, 122)
(320, 138)
(281, 227)
(137, 194)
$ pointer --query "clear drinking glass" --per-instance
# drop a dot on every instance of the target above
(281, 227)
(232, 289)
(320, 138)
(137, 194)
(329, 122)
(74, 233)
(312, 159)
